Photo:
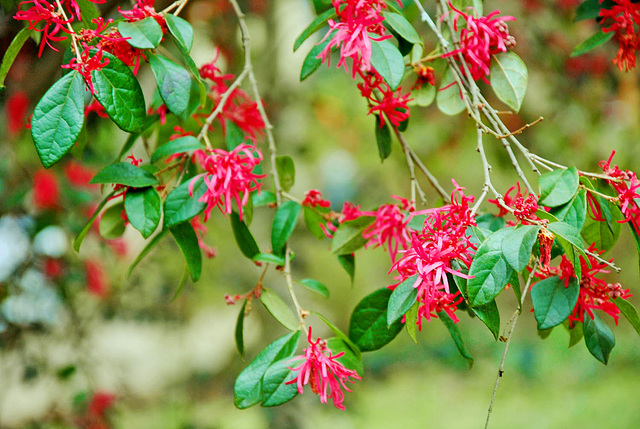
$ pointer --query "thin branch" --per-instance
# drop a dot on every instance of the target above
(73, 33)
(521, 129)
(604, 261)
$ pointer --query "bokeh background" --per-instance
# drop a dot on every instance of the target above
(76, 333)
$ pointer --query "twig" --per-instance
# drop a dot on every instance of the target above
(604, 261)
(521, 129)
(73, 33)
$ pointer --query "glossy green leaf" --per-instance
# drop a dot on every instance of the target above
(368, 327)
(58, 118)
(402, 27)
(604, 234)
(246, 243)
(558, 187)
(569, 239)
(629, 312)
(383, 139)
(275, 390)
(313, 220)
(597, 39)
(553, 302)
(284, 223)
(315, 286)
(348, 237)
(239, 331)
(489, 269)
(311, 62)
(12, 52)
(279, 309)
(598, 337)
(456, 335)
(184, 234)
(176, 86)
(123, 173)
(402, 299)
(182, 203)
(449, 100)
(144, 209)
(490, 316)
(269, 258)
(517, 246)
(509, 79)
(286, 172)
(85, 230)
(388, 62)
(248, 386)
(411, 322)
(263, 198)
(179, 145)
(181, 30)
(143, 34)
(118, 91)
(573, 212)
(348, 262)
(150, 245)
(111, 223)
(315, 25)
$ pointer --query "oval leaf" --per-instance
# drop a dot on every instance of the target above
(187, 240)
(574, 212)
(449, 100)
(629, 312)
(600, 38)
(383, 139)
(239, 332)
(388, 62)
(177, 87)
(12, 52)
(284, 223)
(490, 316)
(269, 258)
(456, 336)
(368, 327)
(517, 246)
(489, 269)
(144, 209)
(558, 187)
(123, 173)
(279, 310)
(286, 172)
(181, 206)
(179, 145)
(348, 237)
(400, 25)
(315, 25)
(181, 30)
(275, 390)
(311, 62)
(509, 79)
(143, 34)
(598, 338)
(350, 360)
(402, 299)
(58, 117)
(553, 302)
(246, 243)
(315, 286)
(111, 224)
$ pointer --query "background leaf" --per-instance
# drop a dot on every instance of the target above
(286, 172)
(402, 299)
(181, 30)
(456, 335)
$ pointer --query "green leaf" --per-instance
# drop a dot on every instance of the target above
(88, 12)
(284, 223)
(181, 206)
(123, 173)
(411, 322)
(590, 9)
(58, 118)
(286, 172)
(383, 139)
(462, 5)
(636, 239)
(246, 243)
(604, 234)
(269, 258)
(111, 224)
(490, 316)
(350, 360)
(368, 327)
(559, 186)
(263, 198)
(423, 96)
(176, 86)
(490, 222)
(574, 212)
(85, 230)
(388, 62)
(143, 34)
(338, 333)
(315, 25)
(315, 286)
(569, 239)
(12, 52)
(553, 302)
(348, 237)
(402, 299)
(629, 312)
(119, 92)
(489, 269)
(275, 390)
(509, 79)
(144, 209)
(179, 145)
(313, 220)
(248, 386)
(181, 30)
(456, 336)
(279, 309)
(449, 100)
(402, 27)
(598, 338)
(576, 333)
(600, 38)
(187, 240)
(517, 246)
(348, 262)
(239, 332)
(311, 62)
(150, 245)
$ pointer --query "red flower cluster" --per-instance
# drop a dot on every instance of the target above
(390, 227)
(622, 19)
(386, 102)
(228, 176)
(313, 198)
(46, 192)
(595, 293)
(326, 375)
(442, 240)
(628, 189)
(524, 205)
(480, 38)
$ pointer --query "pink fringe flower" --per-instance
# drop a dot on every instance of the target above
(228, 176)
(313, 198)
(390, 227)
(623, 16)
(39, 12)
(628, 189)
(87, 64)
(326, 375)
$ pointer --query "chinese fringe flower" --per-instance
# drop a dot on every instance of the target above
(628, 189)
(624, 16)
(389, 104)
(480, 38)
(87, 64)
(349, 212)
(41, 11)
(525, 206)
(313, 198)
(595, 293)
(143, 9)
(321, 369)
(228, 177)
(390, 227)
(442, 240)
